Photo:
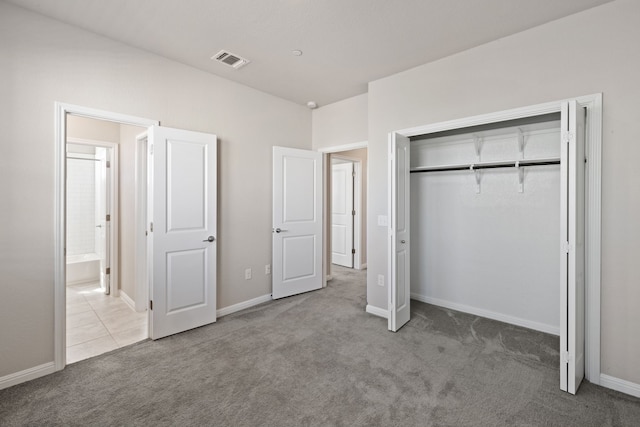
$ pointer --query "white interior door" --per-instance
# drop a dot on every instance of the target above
(183, 229)
(399, 222)
(342, 214)
(297, 221)
(102, 215)
(572, 280)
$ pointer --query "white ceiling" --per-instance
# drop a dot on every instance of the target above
(345, 43)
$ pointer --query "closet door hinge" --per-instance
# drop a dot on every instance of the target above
(107, 270)
(353, 251)
(566, 357)
(566, 247)
(108, 164)
(566, 137)
(150, 148)
(150, 304)
(108, 218)
(353, 213)
(151, 227)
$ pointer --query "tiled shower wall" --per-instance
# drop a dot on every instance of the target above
(81, 222)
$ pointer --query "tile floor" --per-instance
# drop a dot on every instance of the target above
(97, 323)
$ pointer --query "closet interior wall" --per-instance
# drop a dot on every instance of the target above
(486, 241)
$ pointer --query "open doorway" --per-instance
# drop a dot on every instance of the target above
(345, 207)
(172, 184)
(100, 227)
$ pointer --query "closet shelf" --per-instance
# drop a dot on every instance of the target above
(487, 165)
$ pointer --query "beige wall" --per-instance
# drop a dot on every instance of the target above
(43, 61)
(594, 51)
(340, 123)
(93, 130)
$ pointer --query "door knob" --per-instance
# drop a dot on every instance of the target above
(402, 241)
(279, 230)
(209, 239)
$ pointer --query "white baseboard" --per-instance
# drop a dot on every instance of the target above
(127, 299)
(622, 386)
(536, 326)
(377, 311)
(27, 375)
(242, 305)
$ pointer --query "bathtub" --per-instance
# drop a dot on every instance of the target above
(83, 268)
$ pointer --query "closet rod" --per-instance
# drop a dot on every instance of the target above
(487, 165)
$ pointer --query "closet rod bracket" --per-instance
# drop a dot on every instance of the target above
(478, 177)
(520, 170)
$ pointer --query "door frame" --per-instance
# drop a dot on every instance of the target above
(59, 218)
(113, 207)
(325, 197)
(357, 206)
(593, 182)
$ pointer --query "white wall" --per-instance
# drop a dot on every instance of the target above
(340, 123)
(593, 51)
(43, 61)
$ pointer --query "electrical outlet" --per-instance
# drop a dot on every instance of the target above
(247, 274)
(380, 280)
(267, 269)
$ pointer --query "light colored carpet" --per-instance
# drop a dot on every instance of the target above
(319, 359)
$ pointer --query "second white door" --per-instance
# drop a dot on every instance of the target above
(297, 221)
(183, 230)
(342, 213)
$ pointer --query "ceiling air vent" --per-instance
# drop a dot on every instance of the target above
(230, 59)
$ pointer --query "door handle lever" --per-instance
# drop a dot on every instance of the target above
(279, 230)
(209, 239)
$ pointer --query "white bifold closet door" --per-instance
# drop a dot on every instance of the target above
(572, 242)
(399, 227)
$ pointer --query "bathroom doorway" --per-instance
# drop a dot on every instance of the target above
(100, 233)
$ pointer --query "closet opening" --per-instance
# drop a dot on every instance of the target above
(485, 221)
(499, 216)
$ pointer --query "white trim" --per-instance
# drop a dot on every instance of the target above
(376, 311)
(127, 300)
(329, 277)
(622, 386)
(363, 266)
(345, 147)
(593, 245)
(27, 375)
(141, 295)
(59, 217)
(536, 326)
(243, 305)
(593, 249)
